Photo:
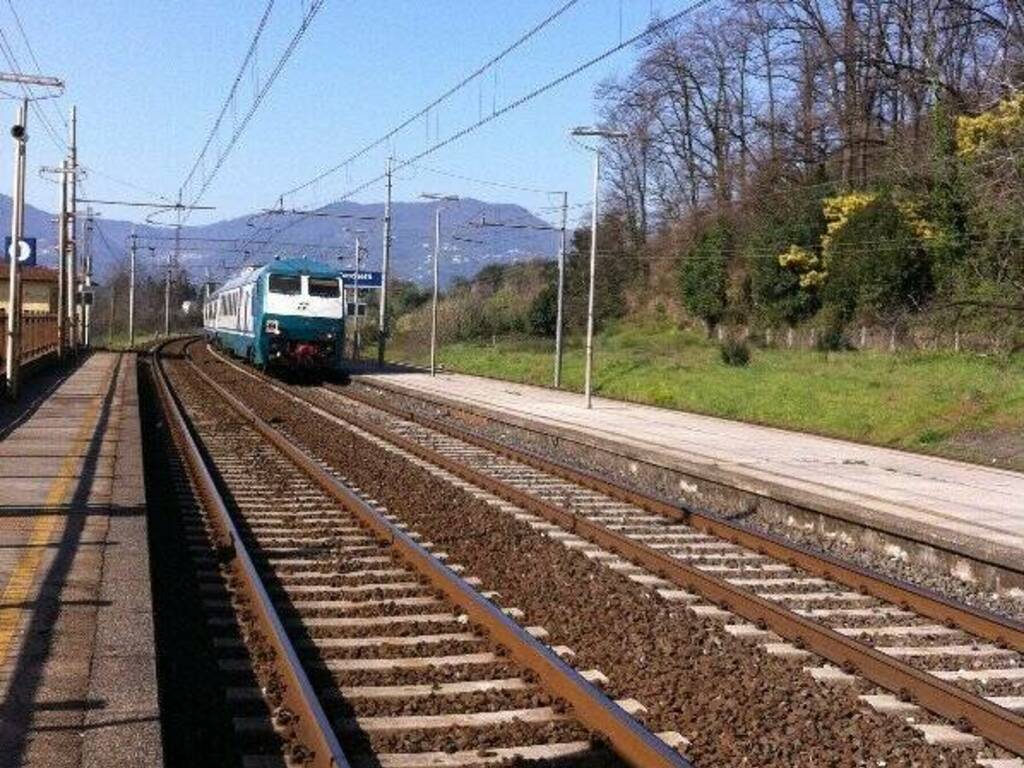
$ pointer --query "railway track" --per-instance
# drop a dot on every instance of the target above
(928, 654)
(358, 645)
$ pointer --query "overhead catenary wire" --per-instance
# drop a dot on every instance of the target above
(649, 30)
(489, 64)
(249, 55)
(32, 55)
(307, 19)
(12, 61)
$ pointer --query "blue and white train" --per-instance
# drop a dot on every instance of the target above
(288, 313)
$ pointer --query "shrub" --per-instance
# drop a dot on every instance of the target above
(875, 258)
(735, 353)
(543, 315)
(833, 340)
(703, 276)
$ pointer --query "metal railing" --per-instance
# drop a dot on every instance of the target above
(38, 335)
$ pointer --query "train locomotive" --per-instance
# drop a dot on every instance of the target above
(289, 314)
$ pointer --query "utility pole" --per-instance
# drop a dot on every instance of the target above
(561, 293)
(64, 277)
(441, 200)
(382, 323)
(588, 371)
(110, 320)
(62, 252)
(588, 383)
(87, 267)
(131, 291)
(76, 298)
(167, 299)
(13, 346)
(433, 302)
(177, 256)
(355, 322)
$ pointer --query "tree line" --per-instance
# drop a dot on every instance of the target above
(838, 160)
(830, 163)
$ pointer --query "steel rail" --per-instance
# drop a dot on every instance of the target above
(995, 723)
(627, 737)
(311, 725)
(1001, 630)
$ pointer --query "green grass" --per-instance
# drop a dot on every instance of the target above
(960, 405)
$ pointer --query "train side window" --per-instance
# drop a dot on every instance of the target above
(324, 287)
(290, 285)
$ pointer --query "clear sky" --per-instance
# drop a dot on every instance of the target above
(149, 78)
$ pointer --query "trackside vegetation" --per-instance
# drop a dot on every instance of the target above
(963, 406)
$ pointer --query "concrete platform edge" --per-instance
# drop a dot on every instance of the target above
(126, 731)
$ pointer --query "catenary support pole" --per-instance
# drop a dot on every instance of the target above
(382, 322)
(74, 305)
(131, 292)
(355, 303)
(87, 268)
(64, 296)
(433, 305)
(167, 299)
(561, 292)
(13, 346)
(177, 260)
(588, 373)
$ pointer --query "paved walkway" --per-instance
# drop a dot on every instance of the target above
(77, 671)
(952, 498)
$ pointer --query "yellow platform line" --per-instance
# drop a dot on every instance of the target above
(23, 576)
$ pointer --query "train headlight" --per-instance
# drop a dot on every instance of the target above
(272, 327)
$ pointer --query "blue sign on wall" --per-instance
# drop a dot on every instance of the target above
(26, 253)
(366, 279)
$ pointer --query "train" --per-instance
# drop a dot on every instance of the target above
(289, 314)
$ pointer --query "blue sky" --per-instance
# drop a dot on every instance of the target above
(149, 77)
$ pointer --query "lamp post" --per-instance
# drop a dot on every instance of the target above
(441, 200)
(588, 370)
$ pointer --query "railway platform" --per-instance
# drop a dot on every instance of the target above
(77, 660)
(951, 507)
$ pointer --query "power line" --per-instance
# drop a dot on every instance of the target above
(127, 184)
(536, 92)
(12, 62)
(486, 182)
(32, 55)
(307, 19)
(528, 97)
(231, 92)
(440, 99)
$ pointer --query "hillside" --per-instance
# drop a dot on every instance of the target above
(413, 226)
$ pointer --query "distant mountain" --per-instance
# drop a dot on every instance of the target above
(466, 248)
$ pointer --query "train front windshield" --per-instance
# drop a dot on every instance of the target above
(289, 285)
(324, 287)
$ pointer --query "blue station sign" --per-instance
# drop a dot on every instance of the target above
(26, 251)
(366, 279)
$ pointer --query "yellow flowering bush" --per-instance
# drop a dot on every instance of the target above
(805, 263)
(838, 211)
(993, 128)
(812, 268)
(925, 230)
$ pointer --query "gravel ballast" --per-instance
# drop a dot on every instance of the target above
(736, 705)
